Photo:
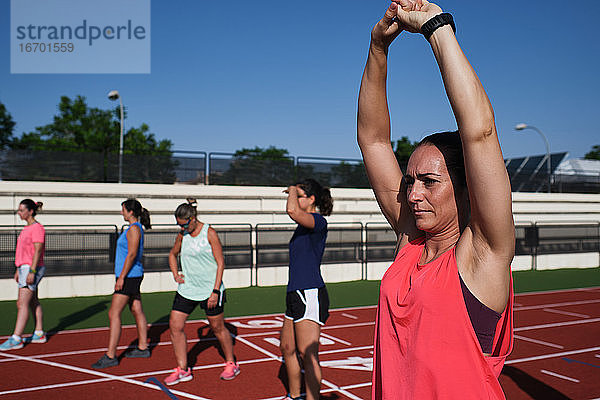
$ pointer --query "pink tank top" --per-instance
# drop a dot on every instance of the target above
(425, 345)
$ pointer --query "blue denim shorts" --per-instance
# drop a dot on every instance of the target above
(24, 271)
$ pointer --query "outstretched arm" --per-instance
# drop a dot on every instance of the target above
(487, 179)
(373, 128)
(488, 241)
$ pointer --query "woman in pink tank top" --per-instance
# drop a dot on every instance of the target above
(451, 211)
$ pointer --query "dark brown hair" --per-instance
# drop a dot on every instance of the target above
(138, 211)
(31, 205)
(450, 145)
(323, 199)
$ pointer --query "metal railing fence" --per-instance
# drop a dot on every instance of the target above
(89, 250)
(527, 174)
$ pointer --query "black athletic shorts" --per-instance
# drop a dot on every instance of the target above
(131, 287)
(311, 304)
(186, 306)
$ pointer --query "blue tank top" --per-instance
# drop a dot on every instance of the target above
(306, 251)
(137, 269)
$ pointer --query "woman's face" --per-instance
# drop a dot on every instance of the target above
(126, 213)
(188, 224)
(430, 192)
(306, 203)
(23, 212)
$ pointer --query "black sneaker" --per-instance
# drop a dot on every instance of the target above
(137, 353)
(105, 362)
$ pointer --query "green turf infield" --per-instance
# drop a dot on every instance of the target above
(91, 312)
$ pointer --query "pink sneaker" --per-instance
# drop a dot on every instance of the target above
(231, 371)
(179, 375)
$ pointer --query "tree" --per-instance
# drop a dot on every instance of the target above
(89, 137)
(349, 175)
(257, 166)
(6, 127)
(403, 150)
(593, 154)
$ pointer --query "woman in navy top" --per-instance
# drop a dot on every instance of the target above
(129, 273)
(307, 302)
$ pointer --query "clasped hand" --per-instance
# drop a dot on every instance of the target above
(407, 15)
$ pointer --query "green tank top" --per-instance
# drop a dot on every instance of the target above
(199, 267)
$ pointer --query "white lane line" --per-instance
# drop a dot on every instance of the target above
(349, 325)
(349, 316)
(543, 371)
(358, 385)
(515, 304)
(556, 324)
(558, 346)
(165, 343)
(345, 350)
(103, 349)
(571, 314)
(597, 355)
(260, 349)
(58, 385)
(101, 374)
(557, 291)
(336, 339)
(553, 305)
(166, 371)
(323, 381)
(194, 321)
(339, 389)
(553, 355)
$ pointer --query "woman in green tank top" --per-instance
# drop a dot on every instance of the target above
(200, 283)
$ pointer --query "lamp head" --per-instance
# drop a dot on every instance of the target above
(113, 95)
(521, 126)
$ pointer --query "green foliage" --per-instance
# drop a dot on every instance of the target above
(403, 150)
(349, 175)
(271, 153)
(78, 129)
(257, 166)
(593, 154)
(6, 127)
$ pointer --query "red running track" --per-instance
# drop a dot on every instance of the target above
(556, 356)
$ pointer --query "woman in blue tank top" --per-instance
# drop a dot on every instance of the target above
(307, 302)
(129, 273)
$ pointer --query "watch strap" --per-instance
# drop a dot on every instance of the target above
(436, 22)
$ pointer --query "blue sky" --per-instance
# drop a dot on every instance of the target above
(227, 75)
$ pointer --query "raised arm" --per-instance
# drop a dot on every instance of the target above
(373, 127)
(294, 210)
(486, 247)
(487, 179)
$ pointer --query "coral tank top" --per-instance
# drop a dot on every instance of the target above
(425, 345)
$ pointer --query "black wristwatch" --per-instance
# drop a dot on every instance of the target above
(437, 22)
(216, 291)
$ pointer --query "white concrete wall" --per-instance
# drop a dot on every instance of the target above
(99, 203)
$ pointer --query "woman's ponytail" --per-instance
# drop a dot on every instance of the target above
(323, 199)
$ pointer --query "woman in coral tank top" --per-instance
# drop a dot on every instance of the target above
(444, 322)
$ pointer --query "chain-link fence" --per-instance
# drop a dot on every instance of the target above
(527, 174)
(89, 250)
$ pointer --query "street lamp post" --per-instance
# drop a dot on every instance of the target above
(520, 127)
(114, 95)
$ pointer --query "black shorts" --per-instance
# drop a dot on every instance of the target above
(310, 304)
(131, 287)
(186, 306)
